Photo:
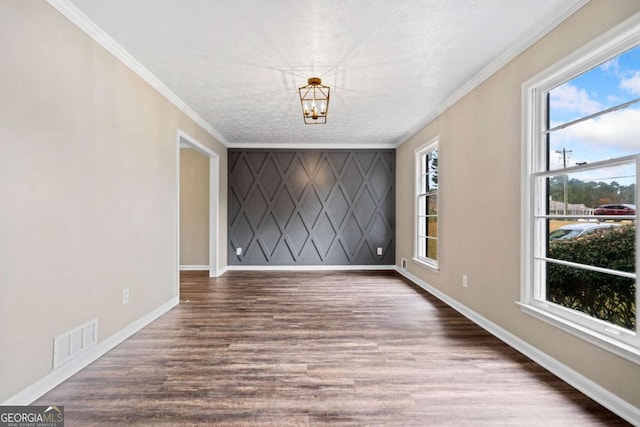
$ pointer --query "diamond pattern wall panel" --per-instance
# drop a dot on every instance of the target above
(311, 207)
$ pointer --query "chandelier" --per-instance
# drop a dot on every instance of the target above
(314, 98)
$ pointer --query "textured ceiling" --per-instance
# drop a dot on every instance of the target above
(391, 65)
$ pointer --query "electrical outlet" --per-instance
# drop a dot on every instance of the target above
(464, 281)
(125, 296)
(379, 251)
(403, 263)
(238, 251)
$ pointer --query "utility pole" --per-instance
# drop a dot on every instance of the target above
(565, 154)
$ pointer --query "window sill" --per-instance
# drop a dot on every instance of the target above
(429, 265)
(599, 339)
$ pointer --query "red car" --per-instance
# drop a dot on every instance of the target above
(616, 210)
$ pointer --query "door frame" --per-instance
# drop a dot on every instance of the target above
(184, 140)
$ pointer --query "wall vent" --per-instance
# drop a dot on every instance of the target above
(403, 263)
(73, 343)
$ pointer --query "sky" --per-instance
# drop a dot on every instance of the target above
(611, 135)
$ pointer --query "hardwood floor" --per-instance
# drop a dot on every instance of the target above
(317, 348)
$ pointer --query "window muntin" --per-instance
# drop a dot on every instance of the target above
(427, 204)
(582, 153)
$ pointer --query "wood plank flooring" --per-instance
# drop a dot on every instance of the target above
(315, 349)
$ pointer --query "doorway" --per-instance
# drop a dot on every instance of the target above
(183, 140)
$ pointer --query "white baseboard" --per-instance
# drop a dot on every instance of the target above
(595, 391)
(194, 268)
(55, 378)
(221, 271)
(575, 379)
(306, 267)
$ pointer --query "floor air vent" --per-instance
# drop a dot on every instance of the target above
(73, 343)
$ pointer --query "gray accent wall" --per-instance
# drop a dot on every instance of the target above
(311, 207)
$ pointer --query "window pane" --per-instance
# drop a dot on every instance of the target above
(432, 181)
(580, 193)
(606, 244)
(612, 83)
(432, 249)
(612, 135)
(432, 205)
(432, 228)
(603, 296)
(433, 170)
(433, 161)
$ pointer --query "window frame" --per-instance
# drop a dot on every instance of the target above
(420, 152)
(534, 151)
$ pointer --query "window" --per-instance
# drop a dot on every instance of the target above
(580, 186)
(426, 246)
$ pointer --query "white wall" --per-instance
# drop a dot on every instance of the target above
(479, 165)
(88, 190)
(194, 208)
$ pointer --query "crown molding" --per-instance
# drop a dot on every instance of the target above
(82, 21)
(313, 146)
(503, 59)
(76, 16)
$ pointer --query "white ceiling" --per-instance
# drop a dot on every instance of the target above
(392, 65)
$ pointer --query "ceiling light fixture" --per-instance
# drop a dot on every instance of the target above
(314, 98)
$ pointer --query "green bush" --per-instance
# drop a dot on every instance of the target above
(604, 296)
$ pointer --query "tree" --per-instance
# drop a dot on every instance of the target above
(590, 193)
